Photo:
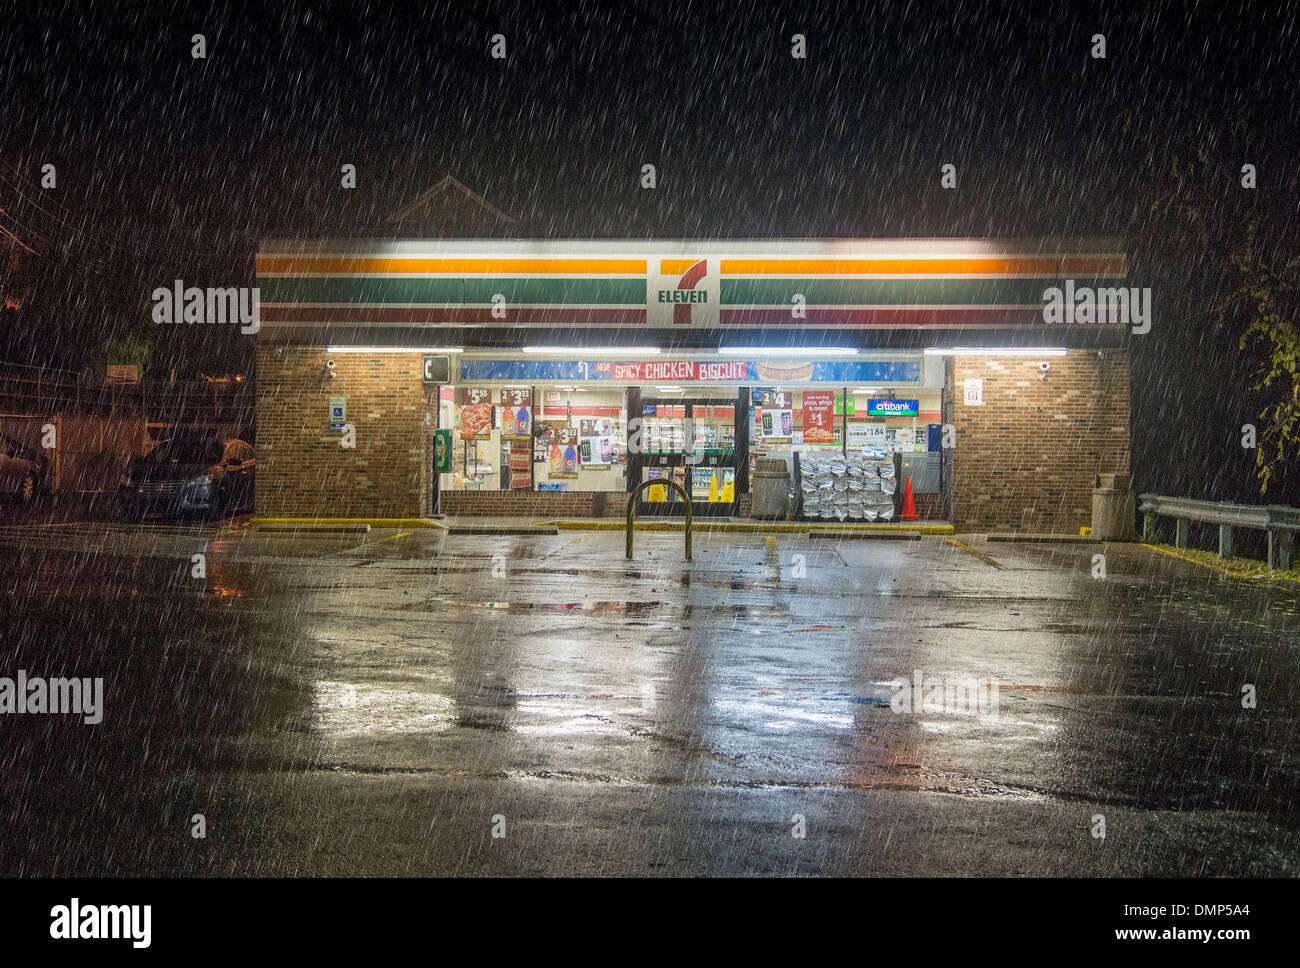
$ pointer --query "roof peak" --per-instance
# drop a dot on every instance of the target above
(449, 191)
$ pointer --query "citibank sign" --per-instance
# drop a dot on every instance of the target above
(893, 408)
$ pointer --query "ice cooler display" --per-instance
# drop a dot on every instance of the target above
(858, 488)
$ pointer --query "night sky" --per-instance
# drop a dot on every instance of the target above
(170, 167)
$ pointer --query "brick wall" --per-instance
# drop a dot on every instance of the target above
(541, 505)
(302, 471)
(1026, 459)
(929, 507)
(535, 504)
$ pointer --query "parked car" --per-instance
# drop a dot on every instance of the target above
(21, 469)
(190, 474)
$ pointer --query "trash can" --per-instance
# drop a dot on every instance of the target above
(770, 490)
(1113, 508)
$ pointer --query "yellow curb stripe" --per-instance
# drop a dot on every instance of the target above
(1225, 569)
(757, 527)
(978, 554)
(398, 523)
(1220, 568)
(1195, 561)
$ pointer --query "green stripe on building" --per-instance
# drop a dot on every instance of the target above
(892, 292)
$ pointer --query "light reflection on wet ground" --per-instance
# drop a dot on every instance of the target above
(420, 659)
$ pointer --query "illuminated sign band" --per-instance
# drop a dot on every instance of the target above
(768, 372)
(674, 284)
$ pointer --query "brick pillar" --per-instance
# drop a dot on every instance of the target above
(303, 471)
(1027, 458)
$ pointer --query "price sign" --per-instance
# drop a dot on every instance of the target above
(775, 399)
(866, 435)
(517, 397)
(566, 436)
(471, 396)
(818, 417)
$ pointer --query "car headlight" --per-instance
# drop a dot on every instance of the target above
(200, 482)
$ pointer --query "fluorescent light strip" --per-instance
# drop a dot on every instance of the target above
(594, 351)
(393, 349)
(788, 351)
(998, 351)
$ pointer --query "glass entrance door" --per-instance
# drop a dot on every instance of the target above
(691, 441)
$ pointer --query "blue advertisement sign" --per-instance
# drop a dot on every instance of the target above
(514, 371)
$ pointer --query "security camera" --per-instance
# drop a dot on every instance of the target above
(1043, 367)
(330, 369)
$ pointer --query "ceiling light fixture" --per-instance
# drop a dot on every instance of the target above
(594, 351)
(394, 349)
(998, 351)
(789, 351)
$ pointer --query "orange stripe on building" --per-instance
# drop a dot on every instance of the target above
(1043, 266)
(267, 264)
(675, 267)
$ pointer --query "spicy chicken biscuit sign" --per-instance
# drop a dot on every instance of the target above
(660, 371)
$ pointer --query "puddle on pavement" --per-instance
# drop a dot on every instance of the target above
(626, 608)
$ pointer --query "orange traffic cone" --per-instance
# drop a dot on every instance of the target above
(909, 504)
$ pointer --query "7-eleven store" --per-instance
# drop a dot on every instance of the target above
(561, 352)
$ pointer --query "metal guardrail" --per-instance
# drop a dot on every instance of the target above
(631, 509)
(1279, 521)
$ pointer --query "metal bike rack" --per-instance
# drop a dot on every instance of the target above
(631, 509)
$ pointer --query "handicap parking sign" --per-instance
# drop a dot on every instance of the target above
(338, 412)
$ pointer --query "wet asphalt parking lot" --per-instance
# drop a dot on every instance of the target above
(384, 703)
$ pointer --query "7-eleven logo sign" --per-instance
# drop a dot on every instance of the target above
(683, 293)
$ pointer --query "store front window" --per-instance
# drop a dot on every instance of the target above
(844, 447)
(608, 431)
(842, 420)
(511, 437)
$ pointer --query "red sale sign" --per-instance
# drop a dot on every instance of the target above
(819, 416)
